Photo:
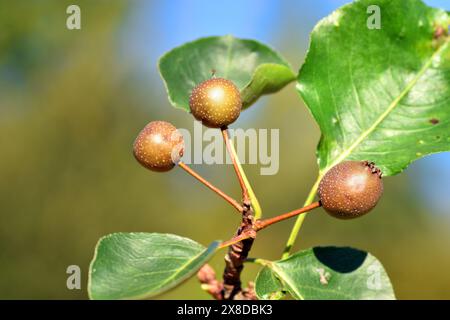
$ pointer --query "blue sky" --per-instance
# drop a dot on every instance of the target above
(166, 24)
(153, 28)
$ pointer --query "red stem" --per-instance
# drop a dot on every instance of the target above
(261, 224)
(236, 239)
(229, 199)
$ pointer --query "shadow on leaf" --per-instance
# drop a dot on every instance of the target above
(342, 260)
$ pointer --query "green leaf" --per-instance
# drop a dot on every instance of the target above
(268, 286)
(267, 78)
(255, 68)
(327, 273)
(142, 265)
(379, 94)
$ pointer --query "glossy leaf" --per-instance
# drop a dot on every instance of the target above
(255, 68)
(327, 273)
(379, 94)
(142, 265)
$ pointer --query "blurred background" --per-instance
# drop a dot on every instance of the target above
(72, 102)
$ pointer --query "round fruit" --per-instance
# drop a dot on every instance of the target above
(351, 189)
(159, 146)
(216, 102)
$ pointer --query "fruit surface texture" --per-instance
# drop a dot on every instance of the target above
(351, 189)
(216, 102)
(159, 146)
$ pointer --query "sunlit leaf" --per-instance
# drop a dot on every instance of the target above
(326, 273)
(142, 265)
(255, 68)
(379, 94)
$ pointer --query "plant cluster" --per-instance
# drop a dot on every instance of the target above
(348, 190)
(391, 124)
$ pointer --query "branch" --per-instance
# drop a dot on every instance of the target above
(234, 259)
(207, 277)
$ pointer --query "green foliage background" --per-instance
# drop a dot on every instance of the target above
(67, 175)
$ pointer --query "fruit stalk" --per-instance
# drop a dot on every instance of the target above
(226, 138)
(240, 171)
(229, 199)
(261, 224)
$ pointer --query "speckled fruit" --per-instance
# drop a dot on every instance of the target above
(216, 102)
(351, 189)
(159, 146)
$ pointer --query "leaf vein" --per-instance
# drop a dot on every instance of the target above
(389, 109)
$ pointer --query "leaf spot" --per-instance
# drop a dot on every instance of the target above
(324, 276)
(439, 32)
(434, 121)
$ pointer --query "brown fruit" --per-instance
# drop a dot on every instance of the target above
(351, 189)
(216, 102)
(159, 146)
